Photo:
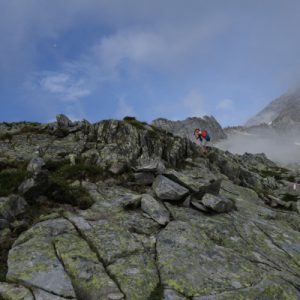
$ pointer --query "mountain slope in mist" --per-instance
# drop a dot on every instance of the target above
(282, 113)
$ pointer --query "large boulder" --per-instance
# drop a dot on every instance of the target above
(167, 189)
(155, 209)
(218, 204)
(63, 121)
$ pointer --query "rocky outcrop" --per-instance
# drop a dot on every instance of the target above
(186, 127)
(171, 224)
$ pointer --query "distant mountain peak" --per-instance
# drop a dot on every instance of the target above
(284, 110)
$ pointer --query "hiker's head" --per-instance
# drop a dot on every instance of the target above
(197, 130)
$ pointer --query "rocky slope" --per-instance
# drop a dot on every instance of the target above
(186, 127)
(124, 210)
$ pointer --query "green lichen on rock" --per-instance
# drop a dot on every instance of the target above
(14, 292)
(88, 275)
(137, 276)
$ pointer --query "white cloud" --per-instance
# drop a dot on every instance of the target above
(226, 104)
(124, 109)
(64, 86)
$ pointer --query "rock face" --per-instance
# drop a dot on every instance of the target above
(171, 225)
(186, 127)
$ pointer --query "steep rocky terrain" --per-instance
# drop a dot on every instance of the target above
(125, 210)
(186, 127)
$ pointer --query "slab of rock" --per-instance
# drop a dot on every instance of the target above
(137, 276)
(155, 209)
(111, 240)
(170, 294)
(192, 264)
(87, 274)
(33, 259)
(217, 204)
(194, 181)
(167, 189)
(9, 291)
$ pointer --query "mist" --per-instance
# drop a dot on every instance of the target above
(281, 147)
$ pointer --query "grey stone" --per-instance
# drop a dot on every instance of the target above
(167, 189)
(187, 202)
(155, 210)
(143, 178)
(118, 167)
(35, 165)
(151, 165)
(199, 206)
(63, 121)
(131, 201)
(12, 207)
(218, 204)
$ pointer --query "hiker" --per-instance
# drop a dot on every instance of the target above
(203, 137)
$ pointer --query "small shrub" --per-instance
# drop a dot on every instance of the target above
(61, 192)
(80, 171)
(291, 178)
(31, 129)
(134, 122)
(271, 173)
(289, 197)
(6, 136)
(10, 180)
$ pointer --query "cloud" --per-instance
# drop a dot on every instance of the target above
(226, 105)
(64, 86)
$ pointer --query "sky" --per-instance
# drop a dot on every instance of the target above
(103, 59)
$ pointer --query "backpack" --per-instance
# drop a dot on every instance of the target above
(205, 135)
